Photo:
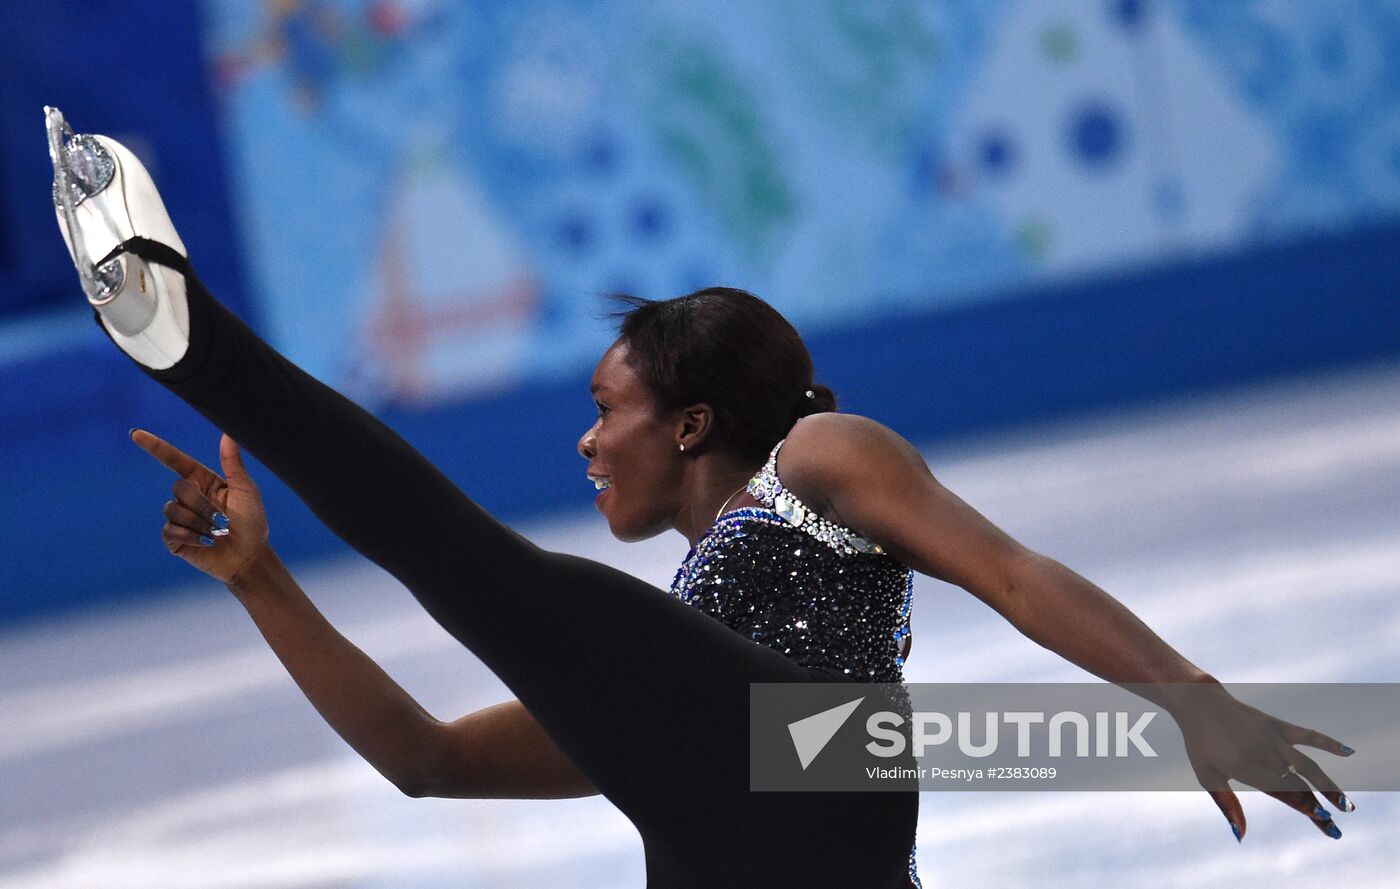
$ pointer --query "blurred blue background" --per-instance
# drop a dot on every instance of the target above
(1124, 270)
(980, 214)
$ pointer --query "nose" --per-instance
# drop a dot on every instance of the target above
(587, 445)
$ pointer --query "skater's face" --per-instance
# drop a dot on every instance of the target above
(631, 448)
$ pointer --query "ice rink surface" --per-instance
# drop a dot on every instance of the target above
(1258, 531)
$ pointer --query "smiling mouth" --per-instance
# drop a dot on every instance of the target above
(601, 482)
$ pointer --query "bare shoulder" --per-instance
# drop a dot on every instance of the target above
(827, 452)
(866, 476)
(829, 439)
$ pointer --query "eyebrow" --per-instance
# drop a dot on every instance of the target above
(595, 389)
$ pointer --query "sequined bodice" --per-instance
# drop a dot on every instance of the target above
(806, 587)
(810, 589)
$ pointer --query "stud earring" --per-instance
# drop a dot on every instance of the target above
(682, 447)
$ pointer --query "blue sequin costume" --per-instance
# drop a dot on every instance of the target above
(806, 587)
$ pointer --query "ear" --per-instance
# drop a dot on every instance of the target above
(695, 425)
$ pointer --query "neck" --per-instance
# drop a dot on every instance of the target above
(712, 481)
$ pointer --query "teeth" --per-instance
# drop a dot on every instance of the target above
(601, 482)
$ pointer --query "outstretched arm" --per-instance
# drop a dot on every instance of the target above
(499, 752)
(496, 753)
(867, 477)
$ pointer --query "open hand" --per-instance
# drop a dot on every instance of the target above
(1226, 739)
(215, 523)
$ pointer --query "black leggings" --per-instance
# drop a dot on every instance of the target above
(646, 695)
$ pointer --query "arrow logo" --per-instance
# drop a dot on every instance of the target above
(810, 735)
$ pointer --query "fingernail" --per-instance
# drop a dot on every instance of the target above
(220, 521)
(219, 532)
(207, 541)
(1334, 831)
(1321, 814)
(130, 432)
(1347, 751)
(1239, 838)
(1346, 804)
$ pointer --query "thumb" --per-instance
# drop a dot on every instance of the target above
(231, 459)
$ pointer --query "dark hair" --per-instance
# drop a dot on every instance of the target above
(729, 349)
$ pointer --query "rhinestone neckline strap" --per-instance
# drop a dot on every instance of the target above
(768, 490)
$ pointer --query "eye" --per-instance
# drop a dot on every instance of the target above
(602, 408)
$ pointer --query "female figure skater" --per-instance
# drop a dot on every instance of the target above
(804, 525)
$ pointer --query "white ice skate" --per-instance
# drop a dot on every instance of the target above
(104, 198)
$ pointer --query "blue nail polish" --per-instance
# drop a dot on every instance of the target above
(220, 521)
(1334, 831)
(207, 541)
(1322, 814)
(1346, 804)
(1347, 751)
(1239, 838)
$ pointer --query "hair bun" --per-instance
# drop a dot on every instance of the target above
(817, 399)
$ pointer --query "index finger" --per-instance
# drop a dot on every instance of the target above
(174, 459)
(1297, 734)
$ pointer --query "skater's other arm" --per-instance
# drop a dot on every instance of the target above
(501, 752)
(867, 477)
(498, 752)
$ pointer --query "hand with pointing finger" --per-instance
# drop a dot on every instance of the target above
(216, 523)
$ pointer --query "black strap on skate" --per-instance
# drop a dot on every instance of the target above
(200, 303)
(151, 251)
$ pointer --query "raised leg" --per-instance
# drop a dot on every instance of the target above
(648, 696)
